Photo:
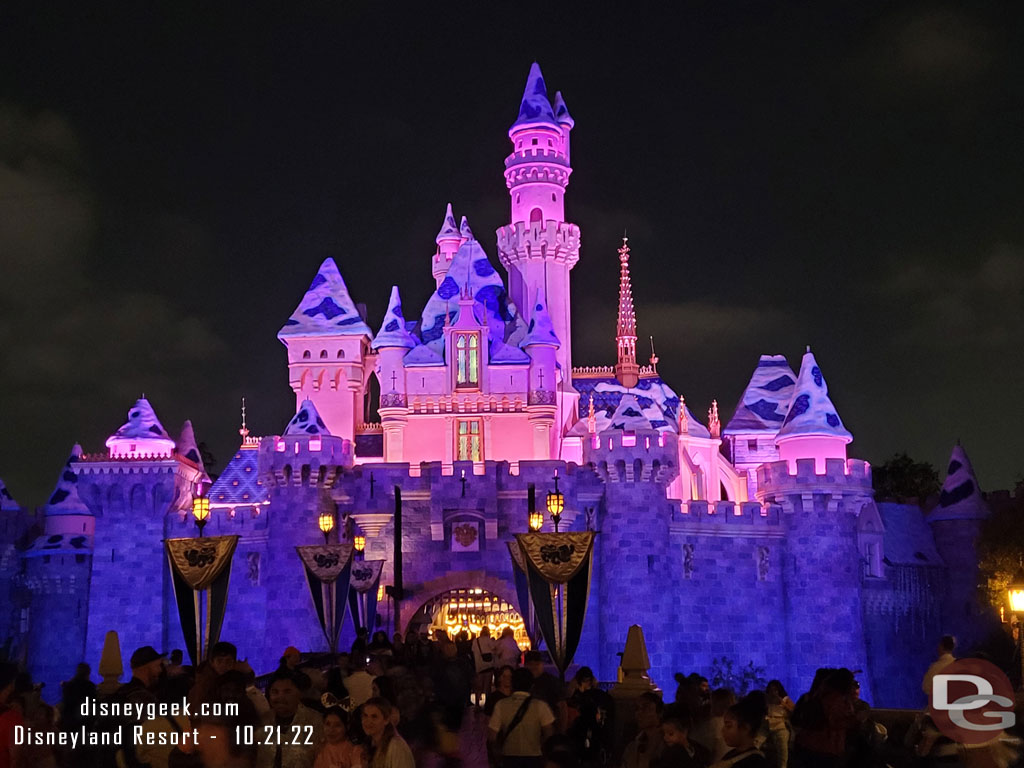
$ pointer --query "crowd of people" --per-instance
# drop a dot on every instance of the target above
(440, 703)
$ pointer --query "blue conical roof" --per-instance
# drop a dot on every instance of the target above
(449, 230)
(327, 308)
(811, 411)
(540, 330)
(765, 402)
(392, 331)
(961, 497)
(65, 499)
(535, 106)
(306, 422)
(562, 112)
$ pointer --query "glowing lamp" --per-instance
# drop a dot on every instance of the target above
(201, 511)
(326, 523)
(359, 542)
(1015, 593)
(380, 588)
(536, 521)
(555, 504)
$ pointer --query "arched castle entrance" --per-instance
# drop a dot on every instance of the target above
(464, 600)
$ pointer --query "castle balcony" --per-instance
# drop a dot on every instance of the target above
(778, 482)
(539, 240)
(532, 155)
(608, 371)
(304, 460)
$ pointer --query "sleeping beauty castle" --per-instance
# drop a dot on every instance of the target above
(756, 540)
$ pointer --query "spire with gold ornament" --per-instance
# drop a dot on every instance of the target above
(626, 369)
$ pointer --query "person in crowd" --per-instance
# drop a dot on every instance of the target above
(337, 674)
(824, 720)
(175, 663)
(780, 706)
(740, 726)
(359, 684)
(708, 732)
(398, 648)
(453, 681)
(520, 725)
(679, 751)
(646, 748)
(944, 657)
(301, 728)
(379, 644)
(501, 689)
(506, 649)
(385, 747)
(165, 730)
(218, 744)
(337, 750)
(359, 645)
(549, 688)
(222, 658)
(73, 693)
(590, 728)
(483, 663)
(290, 659)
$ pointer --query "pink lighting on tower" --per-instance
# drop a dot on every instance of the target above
(626, 369)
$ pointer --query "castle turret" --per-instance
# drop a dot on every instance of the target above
(448, 241)
(57, 568)
(328, 342)
(812, 429)
(392, 343)
(956, 524)
(143, 496)
(538, 247)
(541, 344)
(637, 462)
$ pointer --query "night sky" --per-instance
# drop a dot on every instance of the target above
(847, 177)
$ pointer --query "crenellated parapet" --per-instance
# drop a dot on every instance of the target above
(557, 241)
(623, 457)
(781, 483)
(303, 460)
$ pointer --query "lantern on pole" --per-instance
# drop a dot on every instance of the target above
(555, 504)
(326, 524)
(359, 543)
(1015, 595)
(201, 512)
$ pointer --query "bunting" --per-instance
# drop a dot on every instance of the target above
(201, 568)
(362, 597)
(327, 569)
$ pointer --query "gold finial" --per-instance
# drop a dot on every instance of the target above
(684, 422)
(714, 425)
(654, 357)
(244, 431)
(591, 419)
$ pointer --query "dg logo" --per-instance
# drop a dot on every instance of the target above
(972, 701)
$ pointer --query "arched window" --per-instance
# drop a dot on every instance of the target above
(306, 355)
(536, 215)
(323, 354)
(341, 354)
(467, 360)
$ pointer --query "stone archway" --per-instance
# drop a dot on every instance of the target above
(416, 598)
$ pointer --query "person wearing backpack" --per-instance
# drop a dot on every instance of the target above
(520, 725)
(483, 661)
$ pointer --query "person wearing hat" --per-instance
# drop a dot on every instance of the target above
(290, 658)
(223, 657)
(147, 669)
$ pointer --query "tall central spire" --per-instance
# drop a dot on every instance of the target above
(626, 369)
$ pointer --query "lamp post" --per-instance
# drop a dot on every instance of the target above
(201, 512)
(359, 544)
(555, 504)
(1015, 593)
(326, 523)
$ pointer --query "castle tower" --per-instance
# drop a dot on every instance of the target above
(956, 524)
(812, 428)
(57, 567)
(637, 462)
(448, 241)
(143, 492)
(297, 469)
(626, 369)
(541, 344)
(327, 342)
(391, 344)
(538, 247)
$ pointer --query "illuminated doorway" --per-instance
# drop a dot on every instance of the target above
(469, 609)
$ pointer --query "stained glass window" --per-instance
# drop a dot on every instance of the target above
(467, 360)
(469, 441)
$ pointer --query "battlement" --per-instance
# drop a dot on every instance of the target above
(604, 371)
(303, 460)
(633, 457)
(538, 240)
(778, 479)
(726, 518)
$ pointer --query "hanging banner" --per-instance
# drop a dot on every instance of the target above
(327, 569)
(364, 581)
(201, 568)
(558, 570)
(523, 592)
